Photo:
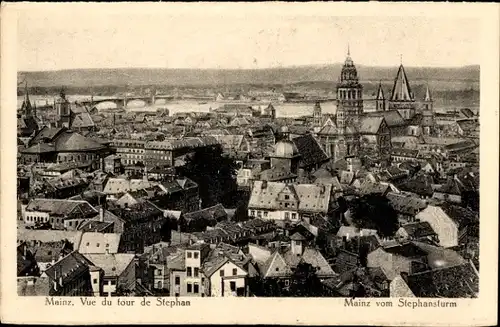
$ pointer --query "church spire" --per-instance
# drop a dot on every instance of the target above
(26, 106)
(380, 92)
(428, 97)
(401, 90)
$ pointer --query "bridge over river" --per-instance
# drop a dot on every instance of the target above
(122, 102)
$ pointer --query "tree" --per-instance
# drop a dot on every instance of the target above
(374, 212)
(215, 175)
(304, 281)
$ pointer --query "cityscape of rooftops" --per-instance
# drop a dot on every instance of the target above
(304, 175)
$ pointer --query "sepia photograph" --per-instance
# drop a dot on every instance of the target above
(175, 155)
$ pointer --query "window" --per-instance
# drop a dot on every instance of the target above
(158, 271)
(196, 272)
(287, 205)
(252, 213)
(265, 213)
(97, 244)
(189, 271)
(177, 280)
(196, 288)
(287, 282)
(277, 269)
(113, 282)
(287, 197)
(189, 287)
(176, 294)
(107, 245)
(221, 272)
(189, 254)
(235, 271)
(287, 215)
(160, 285)
(95, 280)
(259, 214)
(294, 215)
(196, 254)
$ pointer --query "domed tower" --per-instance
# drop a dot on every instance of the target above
(349, 96)
(285, 156)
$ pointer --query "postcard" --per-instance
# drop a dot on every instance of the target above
(249, 163)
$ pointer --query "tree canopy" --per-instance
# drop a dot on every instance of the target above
(374, 211)
(215, 175)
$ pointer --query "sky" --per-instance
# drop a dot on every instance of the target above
(55, 39)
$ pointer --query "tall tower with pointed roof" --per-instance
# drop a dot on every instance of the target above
(349, 108)
(26, 107)
(380, 100)
(402, 98)
(428, 103)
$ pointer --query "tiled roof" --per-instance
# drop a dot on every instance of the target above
(112, 264)
(61, 207)
(82, 120)
(93, 242)
(216, 212)
(370, 125)
(69, 141)
(46, 236)
(33, 286)
(122, 185)
(419, 229)
(310, 150)
(460, 281)
(69, 267)
(312, 198)
(392, 117)
(39, 148)
(406, 204)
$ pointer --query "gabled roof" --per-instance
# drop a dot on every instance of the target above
(112, 264)
(310, 150)
(61, 207)
(401, 90)
(70, 141)
(215, 212)
(93, 242)
(460, 281)
(392, 117)
(69, 267)
(312, 198)
(370, 125)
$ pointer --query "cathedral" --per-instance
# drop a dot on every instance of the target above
(353, 132)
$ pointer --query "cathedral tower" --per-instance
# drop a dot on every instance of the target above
(402, 98)
(349, 96)
(349, 109)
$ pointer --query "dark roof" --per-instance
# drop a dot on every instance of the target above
(370, 124)
(310, 150)
(216, 212)
(462, 216)
(71, 266)
(392, 117)
(460, 281)
(419, 229)
(407, 250)
(70, 141)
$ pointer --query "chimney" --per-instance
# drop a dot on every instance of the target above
(101, 214)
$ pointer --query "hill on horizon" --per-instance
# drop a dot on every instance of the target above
(467, 75)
